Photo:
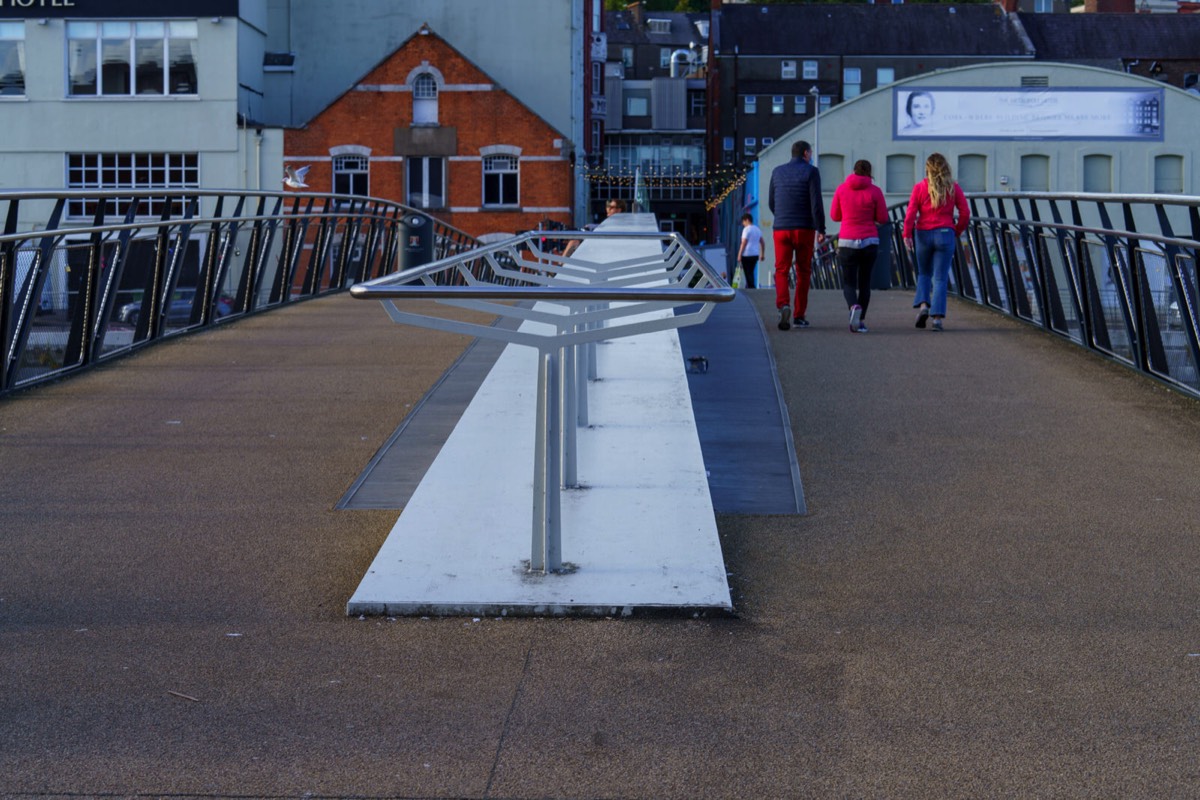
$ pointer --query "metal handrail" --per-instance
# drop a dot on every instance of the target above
(73, 294)
(1127, 291)
(576, 303)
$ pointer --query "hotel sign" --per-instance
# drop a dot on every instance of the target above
(116, 9)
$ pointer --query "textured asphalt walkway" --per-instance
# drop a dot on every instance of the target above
(995, 591)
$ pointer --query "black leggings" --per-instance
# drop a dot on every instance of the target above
(749, 267)
(857, 263)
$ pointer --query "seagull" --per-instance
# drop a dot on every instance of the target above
(294, 178)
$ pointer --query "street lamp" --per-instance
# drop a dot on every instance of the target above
(816, 95)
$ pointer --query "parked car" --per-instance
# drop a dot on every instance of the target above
(179, 311)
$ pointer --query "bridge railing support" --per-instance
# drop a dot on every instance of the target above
(567, 305)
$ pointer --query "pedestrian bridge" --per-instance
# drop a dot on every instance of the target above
(991, 589)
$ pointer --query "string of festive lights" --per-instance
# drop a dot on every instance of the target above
(720, 181)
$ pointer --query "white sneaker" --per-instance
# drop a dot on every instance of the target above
(855, 317)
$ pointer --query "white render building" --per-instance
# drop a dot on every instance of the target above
(1086, 138)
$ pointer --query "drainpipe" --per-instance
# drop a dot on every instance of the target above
(258, 143)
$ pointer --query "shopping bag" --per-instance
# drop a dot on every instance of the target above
(739, 278)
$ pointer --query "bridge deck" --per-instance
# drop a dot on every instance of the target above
(993, 591)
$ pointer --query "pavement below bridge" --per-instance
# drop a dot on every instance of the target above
(994, 591)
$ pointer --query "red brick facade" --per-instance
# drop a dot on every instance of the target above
(473, 114)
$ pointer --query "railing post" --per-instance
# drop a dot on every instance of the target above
(546, 552)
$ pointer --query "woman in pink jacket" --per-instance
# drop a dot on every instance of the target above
(859, 205)
(931, 218)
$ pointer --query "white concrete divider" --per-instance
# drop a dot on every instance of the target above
(639, 534)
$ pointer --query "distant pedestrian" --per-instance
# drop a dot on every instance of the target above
(795, 200)
(931, 218)
(750, 250)
(859, 205)
(613, 206)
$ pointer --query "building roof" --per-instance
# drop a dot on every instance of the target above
(923, 29)
(621, 28)
(1072, 37)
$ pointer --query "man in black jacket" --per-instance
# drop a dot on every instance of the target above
(795, 200)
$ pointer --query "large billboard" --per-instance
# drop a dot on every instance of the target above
(1031, 113)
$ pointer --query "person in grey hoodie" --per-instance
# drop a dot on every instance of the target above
(795, 201)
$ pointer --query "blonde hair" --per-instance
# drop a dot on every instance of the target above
(941, 182)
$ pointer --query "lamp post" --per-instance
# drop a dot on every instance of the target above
(816, 95)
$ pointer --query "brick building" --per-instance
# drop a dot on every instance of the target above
(429, 128)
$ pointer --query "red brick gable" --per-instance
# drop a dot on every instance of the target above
(473, 112)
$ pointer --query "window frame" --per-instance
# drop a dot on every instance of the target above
(129, 170)
(812, 70)
(506, 181)
(410, 173)
(787, 69)
(339, 172)
(848, 82)
(96, 46)
(749, 104)
(426, 92)
(12, 34)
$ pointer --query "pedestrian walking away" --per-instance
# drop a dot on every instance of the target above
(794, 197)
(931, 231)
(750, 250)
(860, 206)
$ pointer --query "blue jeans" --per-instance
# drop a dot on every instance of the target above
(935, 253)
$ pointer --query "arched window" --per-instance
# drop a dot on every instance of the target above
(425, 99)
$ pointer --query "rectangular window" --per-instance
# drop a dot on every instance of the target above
(1043, 6)
(825, 102)
(800, 104)
(851, 82)
(627, 57)
(637, 106)
(768, 141)
(12, 58)
(884, 75)
(664, 57)
(750, 104)
(696, 103)
(131, 171)
(119, 59)
(501, 182)
(810, 70)
(597, 77)
(426, 181)
(777, 104)
(352, 175)
(787, 70)
(751, 146)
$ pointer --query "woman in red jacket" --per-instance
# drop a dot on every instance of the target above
(859, 205)
(931, 217)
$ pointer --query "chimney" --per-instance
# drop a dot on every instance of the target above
(638, 13)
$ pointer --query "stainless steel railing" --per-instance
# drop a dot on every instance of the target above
(565, 306)
(1115, 274)
(86, 276)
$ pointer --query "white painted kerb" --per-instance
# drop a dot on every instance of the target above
(642, 534)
